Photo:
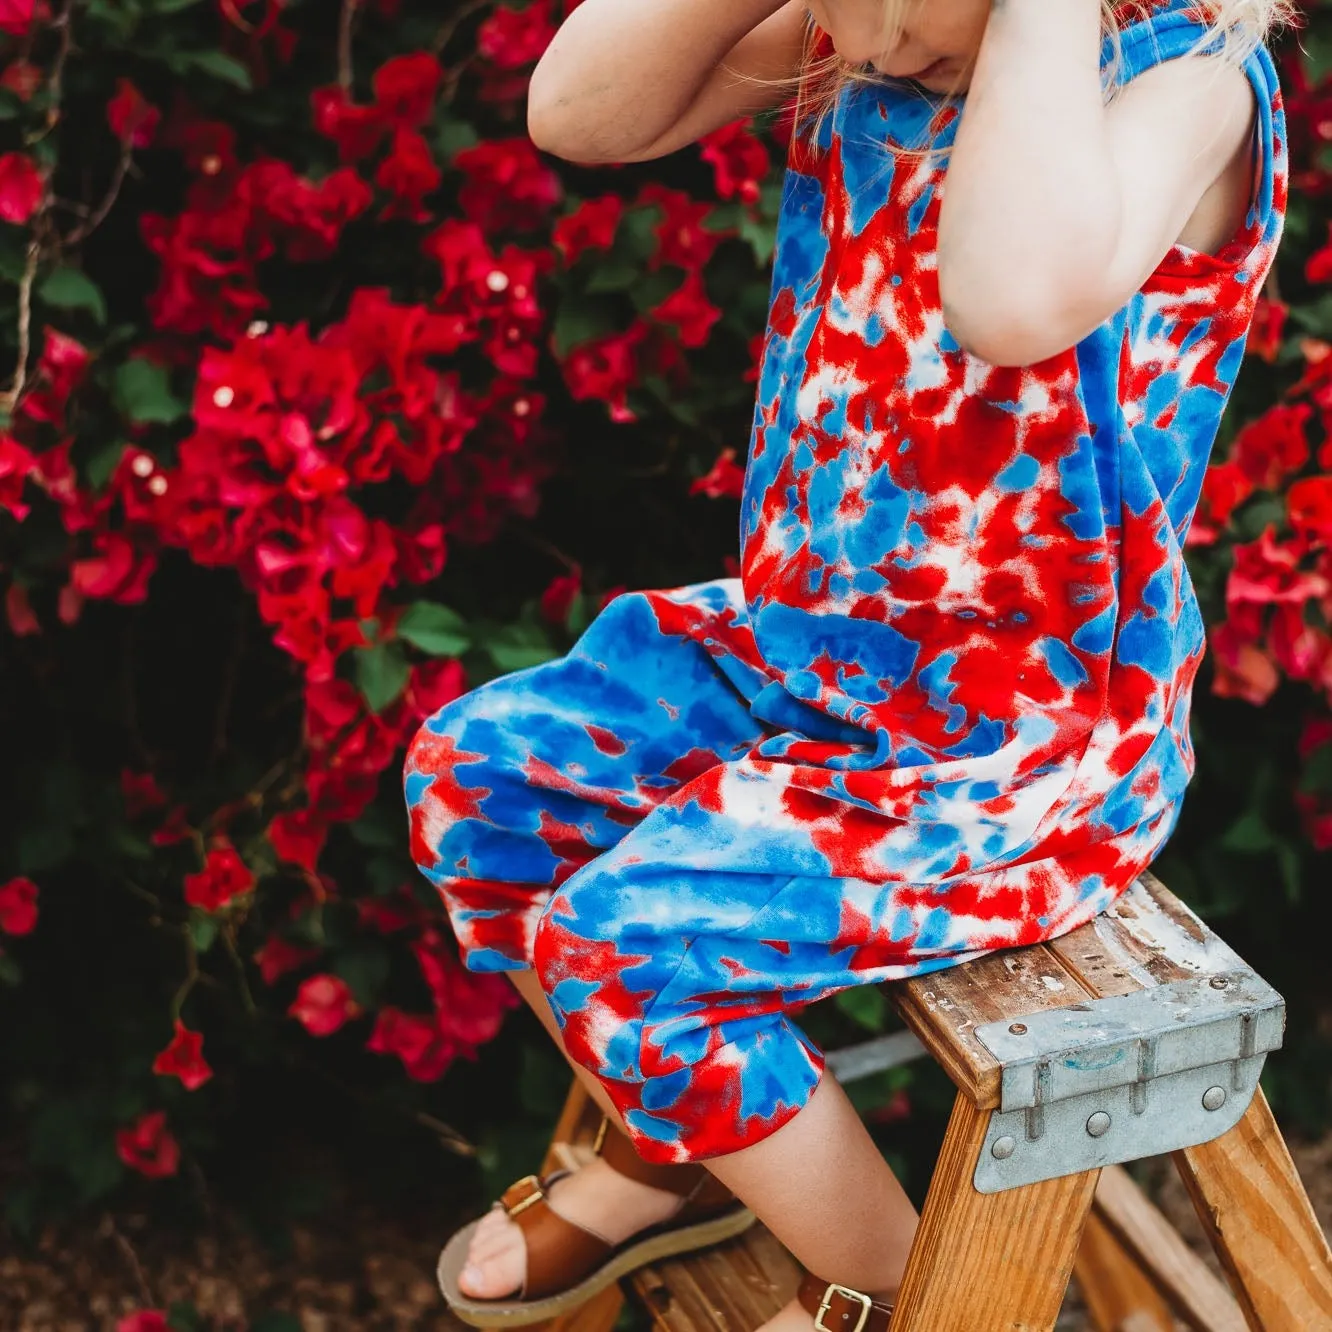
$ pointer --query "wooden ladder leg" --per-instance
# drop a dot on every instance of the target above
(996, 1260)
(1113, 1286)
(576, 1128)
(1259, 1219)
(1134, 1262)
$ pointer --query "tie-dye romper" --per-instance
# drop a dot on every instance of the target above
(944, 709)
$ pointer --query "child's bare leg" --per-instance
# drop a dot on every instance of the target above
(823, 1188)
(594, 1196)
(819, 1183)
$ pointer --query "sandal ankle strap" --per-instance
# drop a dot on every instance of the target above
(840, 1309)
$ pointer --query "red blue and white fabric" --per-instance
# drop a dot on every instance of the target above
(943, 711)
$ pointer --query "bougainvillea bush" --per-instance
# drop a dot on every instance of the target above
(325, 396)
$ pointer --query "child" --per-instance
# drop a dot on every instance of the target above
(945, 708)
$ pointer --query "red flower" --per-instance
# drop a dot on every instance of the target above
(133, 119)
(16, 16)
(408, 173)
(21, 77)
(1225, 487)
(1269, 324)
(419, 1041)
(148, 1147)
(140, 792)
(507, 185)
(689, 309)
(739, 161)
(323, 1004)
(21, 187)
(1309, 504)
(683, 239)
(405, 89)
(725, 481)
(470, 1006)
(16, 465)
(1271, 447)
(149, 1320)
(18, 906)
(298, 837)
(277, 957)
(1318, 267)
(183, 1058)
(591, 226)
(514, 38)
(1242, 669)
(18, 611)
(558, 599)
(432, 685)
(605, 370)
(223, 878)
(357, 130)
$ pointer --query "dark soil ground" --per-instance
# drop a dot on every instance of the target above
(357, 1272)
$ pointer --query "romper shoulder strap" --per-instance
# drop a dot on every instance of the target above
(1161, 30)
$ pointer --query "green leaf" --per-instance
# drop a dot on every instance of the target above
(103, 463)
(142, 391)
(434, 629)
(453, 137)
(9, 971)
(183, 1317)
(381, 674)
(365, 966)
(170, 6)
(203, 930)
(71, 289)
(865, 1006)
(214, 64)
(613, 275)
(1248, 833)
(579, 321)
(518, 646)
(276, 1322)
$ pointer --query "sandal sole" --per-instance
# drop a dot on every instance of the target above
(506, 1312)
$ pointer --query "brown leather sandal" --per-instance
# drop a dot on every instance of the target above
(566, 1264)
(840, 1309)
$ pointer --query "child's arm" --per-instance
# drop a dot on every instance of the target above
(1057, 208)
(629, 80)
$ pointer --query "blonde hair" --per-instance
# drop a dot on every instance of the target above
(1236, 28)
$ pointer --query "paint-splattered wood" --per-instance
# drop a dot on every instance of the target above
(990, 1260)
(735, 1287)
(1180, 1277)
(1114, 1288)
(1259, 1219)
(1148, 937)
(945, 1007)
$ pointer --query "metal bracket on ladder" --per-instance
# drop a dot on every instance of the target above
(1134, 1075)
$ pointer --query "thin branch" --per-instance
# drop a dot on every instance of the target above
(345, 23)
(98, 215)
(9, 400)
(110, 1230)
(191, 977)
(446, 33)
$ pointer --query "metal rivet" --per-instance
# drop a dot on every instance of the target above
(1018, 1029)
(1219, 982)
(1098, 1124)
(1214, 1098)
(1003, 1148)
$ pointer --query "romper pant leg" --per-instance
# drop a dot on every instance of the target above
(675, 961)
(514, 786)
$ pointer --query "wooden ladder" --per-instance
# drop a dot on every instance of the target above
(1000, 1261)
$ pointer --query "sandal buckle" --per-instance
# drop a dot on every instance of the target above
(537, 1195)
(866, 1305)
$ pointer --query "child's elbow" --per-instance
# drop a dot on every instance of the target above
(1015, 329)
